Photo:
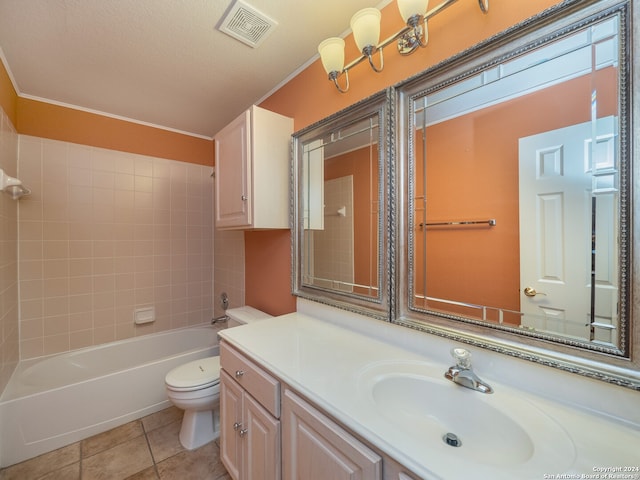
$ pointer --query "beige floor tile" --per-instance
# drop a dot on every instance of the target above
(165, 441)
(104, 441)
(200, 464)
(127, 453)
(43, 464)
(146, 474)
(71, 472)
(162, 418)
(119, 462)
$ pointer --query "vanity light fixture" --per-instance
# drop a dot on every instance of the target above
(365, 25)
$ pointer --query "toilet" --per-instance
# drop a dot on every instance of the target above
(195, 388)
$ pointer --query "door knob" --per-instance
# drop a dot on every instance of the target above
(531, 292)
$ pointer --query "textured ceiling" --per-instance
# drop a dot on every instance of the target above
(161, 62)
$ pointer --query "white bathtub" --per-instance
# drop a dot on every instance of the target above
(54, 401)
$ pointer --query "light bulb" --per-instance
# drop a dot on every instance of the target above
(366, 27)
(332, 54)
(409, 8)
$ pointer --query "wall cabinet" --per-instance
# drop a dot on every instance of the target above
(250, 430)
(252, 171)
(316, 448)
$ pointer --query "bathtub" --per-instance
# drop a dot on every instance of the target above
(54, 401)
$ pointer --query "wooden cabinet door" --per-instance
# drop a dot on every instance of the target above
(233, 173)
(230, 416)
(316, 448)
(261, 443)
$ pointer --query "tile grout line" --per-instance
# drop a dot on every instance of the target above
(153, 458)
(81, 456)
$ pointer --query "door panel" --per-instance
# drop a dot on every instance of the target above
(563, 179)
(230, 415)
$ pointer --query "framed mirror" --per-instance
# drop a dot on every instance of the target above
(340, 221)
(517, 218)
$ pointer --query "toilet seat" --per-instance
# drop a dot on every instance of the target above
(195, 375)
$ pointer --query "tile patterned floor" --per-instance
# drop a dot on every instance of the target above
(145, 449)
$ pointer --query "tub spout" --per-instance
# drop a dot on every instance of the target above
(220, 319)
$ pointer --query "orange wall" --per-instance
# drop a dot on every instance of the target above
(309, 97)
(8, 96)
(268, 271)
(47, 120)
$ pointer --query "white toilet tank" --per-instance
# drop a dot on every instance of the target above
(243, 315)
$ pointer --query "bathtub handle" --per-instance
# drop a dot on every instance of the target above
(243, 432)
(237, 425)
(239, 373)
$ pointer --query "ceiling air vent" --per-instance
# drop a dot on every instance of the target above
(243, 22)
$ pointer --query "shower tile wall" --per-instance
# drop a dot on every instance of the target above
(8, 255)
(228, 270)
(333, 245)
(104, 233)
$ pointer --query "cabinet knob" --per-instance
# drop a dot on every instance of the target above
(243, 432)
(239, 373)
(243, 198)
(237, 425)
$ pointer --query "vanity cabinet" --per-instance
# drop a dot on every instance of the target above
(252, 171)
(317, 448)
(249, 419)
(394, 471)
(269, 435)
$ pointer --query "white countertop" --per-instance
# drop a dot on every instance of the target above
(327, 362)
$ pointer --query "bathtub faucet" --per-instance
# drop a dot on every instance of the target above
(462, 374)
(220, 319)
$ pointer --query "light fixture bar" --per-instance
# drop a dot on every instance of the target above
(431, 13)
(484, 8)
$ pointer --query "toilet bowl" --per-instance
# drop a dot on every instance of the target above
(195, 388)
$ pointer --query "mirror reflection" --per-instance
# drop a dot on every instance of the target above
(515, 207)
(340, 246)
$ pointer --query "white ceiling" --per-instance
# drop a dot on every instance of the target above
(161, 62)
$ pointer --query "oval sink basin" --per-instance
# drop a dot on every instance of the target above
(486, 434)
(499, 430)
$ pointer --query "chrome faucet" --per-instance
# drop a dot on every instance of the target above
(462, 374)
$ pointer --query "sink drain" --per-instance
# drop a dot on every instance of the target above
(452, 440)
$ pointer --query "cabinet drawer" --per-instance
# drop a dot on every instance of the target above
(258, 383)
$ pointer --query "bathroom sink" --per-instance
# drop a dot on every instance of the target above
(501, 430)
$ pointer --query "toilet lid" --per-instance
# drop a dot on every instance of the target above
(194, 374)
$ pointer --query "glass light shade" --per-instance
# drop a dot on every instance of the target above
(332, 54)
(408, 8)
(366, 27)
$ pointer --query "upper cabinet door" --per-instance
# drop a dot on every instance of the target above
(233, 173)
(252, 171)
